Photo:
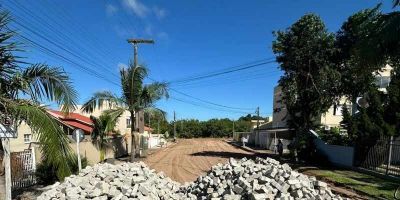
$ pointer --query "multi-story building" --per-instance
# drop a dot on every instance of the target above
(333, 116)
(267, 135)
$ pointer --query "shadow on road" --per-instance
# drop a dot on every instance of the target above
(248, 152)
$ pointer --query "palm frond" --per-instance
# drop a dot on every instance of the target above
(53, 141)
(8, 62)
(98, 127)
(101, 99)
(152, 93)
(396, 3)
(132, 83)
(112, 116)
(43, 82)
(156, 111)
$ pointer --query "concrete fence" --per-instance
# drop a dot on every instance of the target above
(267, 139)
(339, 155)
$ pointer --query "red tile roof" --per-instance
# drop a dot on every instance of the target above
(75, 120)
(148, 129)
(86, 128)
(79, 121)
(73, 116)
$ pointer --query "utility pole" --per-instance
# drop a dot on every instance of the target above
(134, 143)
(149, 120)
(158, 127)
(258, 123)
(182, 126)
(174, 125)
(233, 128)
(135, 43)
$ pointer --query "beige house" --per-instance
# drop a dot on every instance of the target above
(333, 116)
(118, 143)
(124, 123)
(267, 135)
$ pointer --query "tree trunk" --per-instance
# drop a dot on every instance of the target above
(133, 138)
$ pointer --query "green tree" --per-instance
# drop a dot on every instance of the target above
(307, 54)
(136, 96)
(22, 88)
(156, 119)
(368, 41)
(357, 77)
(210, 128)
(250, 117)
(103, 126)
(392, 110)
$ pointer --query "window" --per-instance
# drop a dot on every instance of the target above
(382, 81)
(337, 109)
(27, 138)
(128, 122)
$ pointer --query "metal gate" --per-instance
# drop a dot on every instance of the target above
(383, 156)
(22, 169)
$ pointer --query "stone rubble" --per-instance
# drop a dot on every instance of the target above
(238, 179)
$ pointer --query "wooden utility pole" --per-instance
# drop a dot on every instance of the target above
(135, 43)
(134, 135)
(258, 117)
(233, 128)
(182, 126)
(149, 120)
(174, 125)
(158, 127)
(258, 123)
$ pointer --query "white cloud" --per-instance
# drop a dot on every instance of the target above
(111, 9)
(148, 30)
(124, 32)
(159, 12)
(137, 7)
(162, 35)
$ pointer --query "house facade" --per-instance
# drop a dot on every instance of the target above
(333, 116)
(80, 120)
(267, 135)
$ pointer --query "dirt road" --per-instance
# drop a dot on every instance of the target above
(189, 158)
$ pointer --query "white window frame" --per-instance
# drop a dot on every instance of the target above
(128, 122)
(29, 137)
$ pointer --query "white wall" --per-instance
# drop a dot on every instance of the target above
(339, 155)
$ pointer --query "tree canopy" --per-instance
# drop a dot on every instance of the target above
(23, 88)
(306, 54)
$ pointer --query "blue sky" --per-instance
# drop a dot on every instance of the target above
(192, 38)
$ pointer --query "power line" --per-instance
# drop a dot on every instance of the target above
(207, 107)
(228, 70)
(80, 67)
(60, 35)
(209, 102)
(229, 80)
(205, 101)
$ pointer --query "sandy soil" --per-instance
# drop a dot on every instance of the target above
(189, 158)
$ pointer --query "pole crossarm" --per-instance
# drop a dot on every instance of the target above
(136, 41)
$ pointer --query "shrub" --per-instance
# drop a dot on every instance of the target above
(334, 137)
(46, 173)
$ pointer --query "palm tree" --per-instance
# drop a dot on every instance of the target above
(23, 87)
(136, 96)
(103, 125)
(396, 3)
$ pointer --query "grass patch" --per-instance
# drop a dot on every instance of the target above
(364, 183)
